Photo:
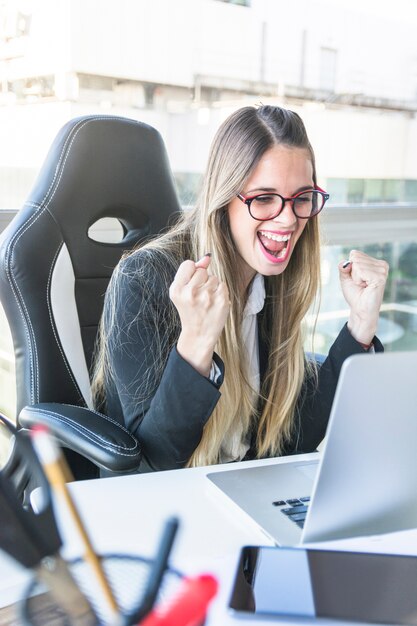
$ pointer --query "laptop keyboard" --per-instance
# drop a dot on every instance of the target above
(294, 508)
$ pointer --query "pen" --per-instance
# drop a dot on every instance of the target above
(156, 574)
(188, 607)
(57, 471)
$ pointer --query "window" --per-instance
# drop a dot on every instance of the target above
(371, 190)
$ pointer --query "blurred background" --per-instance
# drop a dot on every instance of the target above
(349, 68)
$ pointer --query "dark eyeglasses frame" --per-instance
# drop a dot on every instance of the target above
(248, 202)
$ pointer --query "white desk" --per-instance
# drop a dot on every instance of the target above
(127, 514)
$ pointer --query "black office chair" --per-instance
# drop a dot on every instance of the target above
(53, 276)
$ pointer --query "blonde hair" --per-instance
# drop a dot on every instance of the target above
(237, 148)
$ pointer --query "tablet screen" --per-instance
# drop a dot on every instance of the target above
(351, 586)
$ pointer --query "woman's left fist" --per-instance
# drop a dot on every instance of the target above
(363, 279)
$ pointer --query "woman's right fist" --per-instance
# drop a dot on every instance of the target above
(202, 302)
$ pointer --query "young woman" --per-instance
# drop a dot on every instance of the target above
(201, 350)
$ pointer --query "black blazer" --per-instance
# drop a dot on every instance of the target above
(169, 419)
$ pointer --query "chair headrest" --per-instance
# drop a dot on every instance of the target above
(105, 166)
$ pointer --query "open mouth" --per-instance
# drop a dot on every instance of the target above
(273, 244)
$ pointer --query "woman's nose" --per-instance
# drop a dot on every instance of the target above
(287, 215)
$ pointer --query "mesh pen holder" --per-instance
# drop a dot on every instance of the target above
(127, 576)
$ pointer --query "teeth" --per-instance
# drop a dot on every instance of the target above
(275, 237)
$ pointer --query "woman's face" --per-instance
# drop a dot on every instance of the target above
(266, 247)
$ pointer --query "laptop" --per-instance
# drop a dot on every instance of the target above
(365, 480)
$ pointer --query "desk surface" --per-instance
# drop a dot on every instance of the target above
(126, 515)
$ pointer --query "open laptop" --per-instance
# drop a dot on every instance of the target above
(366, 480)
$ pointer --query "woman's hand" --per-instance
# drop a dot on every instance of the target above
(363, 282)
(203, 305)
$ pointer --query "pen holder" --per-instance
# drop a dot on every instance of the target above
(127, 576)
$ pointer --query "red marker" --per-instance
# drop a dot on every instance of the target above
(188, 607)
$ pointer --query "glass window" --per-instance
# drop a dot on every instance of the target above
(410, 191)
(373, 190)
(338, 190)
(393, 190)
(355, 190)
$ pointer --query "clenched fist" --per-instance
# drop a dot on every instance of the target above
(363, 280)
(202, 302)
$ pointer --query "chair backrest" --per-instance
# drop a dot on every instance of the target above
(53, 276)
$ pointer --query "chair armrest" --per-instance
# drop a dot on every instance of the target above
(99, 438)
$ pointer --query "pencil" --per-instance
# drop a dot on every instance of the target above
(57, 471)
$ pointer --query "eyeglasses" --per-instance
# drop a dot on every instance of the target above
(267, 206)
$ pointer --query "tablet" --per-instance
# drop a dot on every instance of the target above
(352, 586)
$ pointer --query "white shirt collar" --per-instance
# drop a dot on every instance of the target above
(256, 298)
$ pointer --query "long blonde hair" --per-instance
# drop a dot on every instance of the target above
(237, 148)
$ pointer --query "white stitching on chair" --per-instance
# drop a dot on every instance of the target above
(83, 431)
(8, 260)
(51, 317)
(26, 320)
(106, 417)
